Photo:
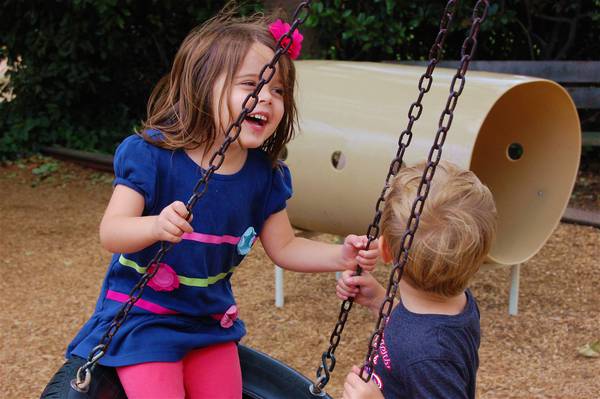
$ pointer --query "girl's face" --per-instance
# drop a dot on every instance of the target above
(262, 122)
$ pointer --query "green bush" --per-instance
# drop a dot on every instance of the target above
(380, 30)
(87, 67)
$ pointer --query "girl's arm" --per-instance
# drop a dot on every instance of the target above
(124, 230)
(303, 255)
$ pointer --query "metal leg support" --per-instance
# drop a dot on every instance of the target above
(513, 298)
(279, 297)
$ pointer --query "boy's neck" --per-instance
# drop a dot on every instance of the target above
(235, 157)
(422, 302)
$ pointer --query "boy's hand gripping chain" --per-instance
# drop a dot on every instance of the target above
(414, 113)
(83, 378)
(467, 52)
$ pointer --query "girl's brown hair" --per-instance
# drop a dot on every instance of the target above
(456, 228)
(181, 105)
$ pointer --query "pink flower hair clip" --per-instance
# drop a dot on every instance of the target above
(280, 28)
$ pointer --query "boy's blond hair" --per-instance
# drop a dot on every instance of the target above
(456, 228)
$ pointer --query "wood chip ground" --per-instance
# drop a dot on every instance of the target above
(52, 267)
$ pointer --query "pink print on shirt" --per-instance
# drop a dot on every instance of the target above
(385, 355)
(377, 380)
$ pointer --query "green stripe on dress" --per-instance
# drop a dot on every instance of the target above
(189, 281)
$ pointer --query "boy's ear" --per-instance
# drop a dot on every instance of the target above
(384, 250)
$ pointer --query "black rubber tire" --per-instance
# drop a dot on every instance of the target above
(263, 378)
(266, 378)
(105, 383)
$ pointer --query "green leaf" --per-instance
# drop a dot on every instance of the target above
(45, 169)
(590, 349)
(389, 6)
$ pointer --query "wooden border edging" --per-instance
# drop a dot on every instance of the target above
(580, 216)
(559, 71)
(89, 159)
(580, 78)
(105, 162)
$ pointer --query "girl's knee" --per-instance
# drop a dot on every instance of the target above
(154, 379)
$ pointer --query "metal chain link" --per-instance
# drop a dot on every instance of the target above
(414, 113)
(435, 154)
(83, 377)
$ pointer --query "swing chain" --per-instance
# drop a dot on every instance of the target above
(83, 376)
(435, 153)
(425, 82)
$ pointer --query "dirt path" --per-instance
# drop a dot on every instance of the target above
(52, 267)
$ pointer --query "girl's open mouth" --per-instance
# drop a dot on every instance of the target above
(257, 119)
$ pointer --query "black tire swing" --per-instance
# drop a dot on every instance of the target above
(264, 377)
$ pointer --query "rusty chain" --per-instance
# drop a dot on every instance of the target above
(445, 121)
(83, 377)
(414, 113)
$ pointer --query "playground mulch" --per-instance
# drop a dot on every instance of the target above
(52, 267)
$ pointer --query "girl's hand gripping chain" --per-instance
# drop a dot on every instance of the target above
(354, 254)
(171, 223)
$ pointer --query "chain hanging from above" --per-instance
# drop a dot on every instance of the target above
(83, 378)
(467, 52)
(414, 113)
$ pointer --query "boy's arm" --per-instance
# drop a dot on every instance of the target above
(356, 388)
(365, 290)
(303, 255)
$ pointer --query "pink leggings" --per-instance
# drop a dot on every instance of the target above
(212, 372)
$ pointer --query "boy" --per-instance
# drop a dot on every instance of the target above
(430, 342)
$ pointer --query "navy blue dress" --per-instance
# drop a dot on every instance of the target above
(182, 307)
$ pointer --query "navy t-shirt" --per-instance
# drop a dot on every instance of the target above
(429, 355)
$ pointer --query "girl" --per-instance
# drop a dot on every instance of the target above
(180, 337)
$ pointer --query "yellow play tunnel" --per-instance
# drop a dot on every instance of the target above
(520, 135)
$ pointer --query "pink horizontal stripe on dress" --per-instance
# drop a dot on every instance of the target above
(140, 303)
(211, 239)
